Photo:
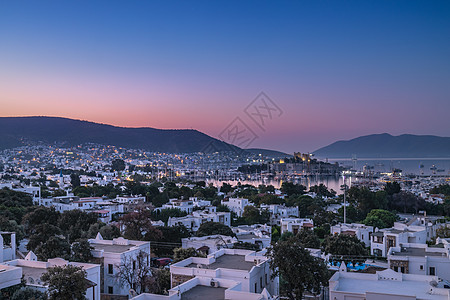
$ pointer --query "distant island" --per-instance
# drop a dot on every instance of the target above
(388, 146)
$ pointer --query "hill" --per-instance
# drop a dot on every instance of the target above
(15, 131)
(268, 153)
(386, 146)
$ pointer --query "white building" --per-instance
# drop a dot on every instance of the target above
(361, 231)
(255, 234)
(194, 220)
(278, 212)
(294, 225)
(385, 285)
(401, 233)
(209, 244)
(130, 199)
(249, 268)
(113, 254)
(421, 259)
(236, 205)
(207, 288)
(186, 206)
(32, 270)
(200, 202)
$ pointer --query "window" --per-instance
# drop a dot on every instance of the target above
(110, 290)
(260, 282)
(421, 267)
(256, 287)
(266, 279)
(402, 269)
(110, 269)
(134, 265)
(396, 269)
(432, 271)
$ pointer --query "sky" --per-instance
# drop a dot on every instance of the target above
(336, 70)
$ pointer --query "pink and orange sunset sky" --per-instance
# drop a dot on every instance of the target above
(338, 70)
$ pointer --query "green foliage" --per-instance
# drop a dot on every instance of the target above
(180, 254)
(53, 247)
(65, 282)
(29, 294)
(81, 251)
(213, 228)
(365, 200)
(300, 272)
(11, 226)
(108, 232)
(290, 188)
(138, 225)
(118, 165)
(41, 215)
(170, 239)
(96, 190)
(75, 223)
(74, 180)
(308, 238)
(380, 218)
(165, 214)
(252, 215)
(322, 191)
(246, 246)
(392, 188)
(441, 189)
(407, 202)
(443, 232)
(276, 233)
(41, 234)
(347, 247)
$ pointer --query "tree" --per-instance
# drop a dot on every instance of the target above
(108, 232)
(299, 271)
(212, 228)
(75, 180)
(75, 223)
(118, 165)
(380, 218)
(290, 188)
(81, 251)
(246, 246)
(138, 225)
(165, 214)
(65, 282)
(392, 188)
(136, 273)
(29, 294)
(308, 238)
(345, 247)
(53, 247)
(41, 215)
(180, 254)
(252, 215)
(443, 232)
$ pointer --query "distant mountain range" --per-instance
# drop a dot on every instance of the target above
(385, 146)
(14, 131)
(17, 131)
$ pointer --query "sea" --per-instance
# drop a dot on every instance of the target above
(409, 166)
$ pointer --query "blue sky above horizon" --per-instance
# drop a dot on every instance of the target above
(336, 69)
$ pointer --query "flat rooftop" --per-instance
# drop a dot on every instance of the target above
(112, 248)
(34, 273)
(419, 289)
(418, 252)
(226, 261)
(204, 292)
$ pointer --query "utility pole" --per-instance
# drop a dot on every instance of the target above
(345, 202)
